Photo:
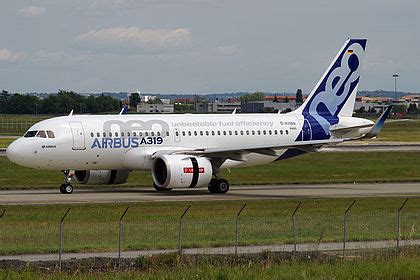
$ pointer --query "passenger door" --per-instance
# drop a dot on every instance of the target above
(78, 135)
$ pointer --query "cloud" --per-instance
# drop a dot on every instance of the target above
(227, 50)
(31, 11)
(134, 36)
(51, 57)
(11, 56)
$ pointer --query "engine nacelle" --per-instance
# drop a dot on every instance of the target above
(101, 177)
(181, 171)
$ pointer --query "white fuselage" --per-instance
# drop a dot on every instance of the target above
(93, 142)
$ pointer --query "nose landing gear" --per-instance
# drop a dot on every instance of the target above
(66, 188)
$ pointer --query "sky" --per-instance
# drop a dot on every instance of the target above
(202, 46)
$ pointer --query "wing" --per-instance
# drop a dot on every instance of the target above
(236, 153)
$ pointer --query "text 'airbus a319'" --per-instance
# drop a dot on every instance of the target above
(189, 150)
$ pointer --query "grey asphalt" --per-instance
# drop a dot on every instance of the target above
(237, 192)
(305, 247)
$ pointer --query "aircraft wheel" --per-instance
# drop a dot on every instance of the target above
(219, 186)
(66, 188)
(160, 189)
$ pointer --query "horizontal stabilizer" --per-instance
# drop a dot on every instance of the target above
(377, 127)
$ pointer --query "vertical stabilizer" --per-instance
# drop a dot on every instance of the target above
(335, 93)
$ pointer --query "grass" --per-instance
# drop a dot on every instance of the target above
(309, 168)
(154, 225)
(18, 124)
(5, 142)
(404, 131)
(381, 265)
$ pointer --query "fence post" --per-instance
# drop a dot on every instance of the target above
(294, 226)
(61, 240)
(120, 234)
(398, 224)
(180, 229)
(2, 214)
(237, 229)
(345, 227)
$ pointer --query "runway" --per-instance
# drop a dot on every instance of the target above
(252, 192)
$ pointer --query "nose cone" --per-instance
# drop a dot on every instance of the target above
(16, 152)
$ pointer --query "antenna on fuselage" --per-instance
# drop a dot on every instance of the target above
(71, 113)
(234, 111)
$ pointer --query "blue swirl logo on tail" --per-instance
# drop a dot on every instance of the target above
(335, 89)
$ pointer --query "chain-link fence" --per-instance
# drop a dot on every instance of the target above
(18, 124)
(89, 228)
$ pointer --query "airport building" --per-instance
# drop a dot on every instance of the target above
(154, 108)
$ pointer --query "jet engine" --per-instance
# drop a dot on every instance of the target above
(101, 177)
(181, 171)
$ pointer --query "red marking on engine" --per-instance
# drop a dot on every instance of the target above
(191, 170)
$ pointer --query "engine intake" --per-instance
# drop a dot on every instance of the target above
(101, 177)
(181, 171)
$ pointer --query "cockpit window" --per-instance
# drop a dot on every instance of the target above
(30, 133)
(41, 134)
(50, 134)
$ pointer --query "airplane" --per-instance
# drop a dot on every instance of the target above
(189, 150)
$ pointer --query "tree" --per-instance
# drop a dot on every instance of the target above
(299, 96)
(361, 110)
(412, 109)
(134, 99)
(256, 96)
(156, 100)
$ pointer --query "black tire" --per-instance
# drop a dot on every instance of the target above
(62, 188)
(160, 189)
(219, 186)
(66, 189)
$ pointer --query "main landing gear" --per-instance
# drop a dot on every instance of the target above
(218, 186)
(66, 188)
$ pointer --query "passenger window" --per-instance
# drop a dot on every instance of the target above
(176, 133)
(140, 134)
(264, 132)
(258, 132)
(224, 132)
(146, 133)
(189, 133)
(281, 132)
(167, 133)
(41, 134)
(50, 134)
(207, 133)
(242, 132)
(91, 134)
(128, 134)
(195, 133)
(236, 132)
(183, 133)
(269, 132)
(158, 133)
(110, 134)
(247, 132)
(31, 133)
(287, 132)
(104, 134)
(275, 132)
(253, 132)
(153, 134)
(97, 134)
(201, 133)
(218, 132)
(116, 134)
(212, 133)
(134, 134)
(230, 132)
(122, 134)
